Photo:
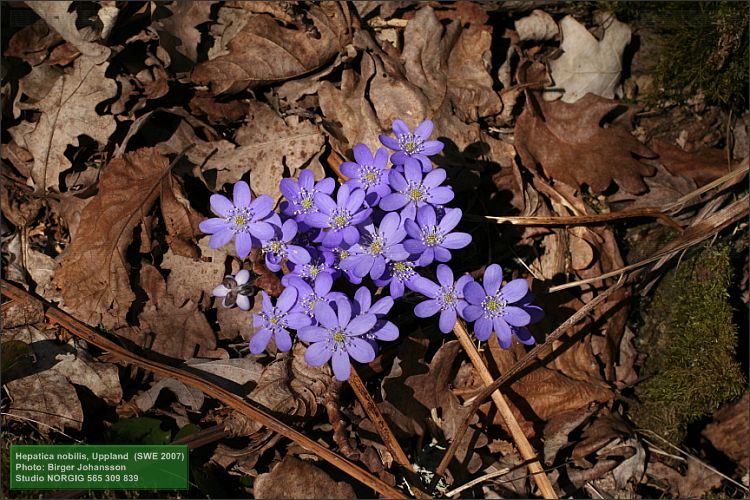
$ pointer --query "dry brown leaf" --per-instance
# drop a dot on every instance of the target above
(56, 15)
(241, 371)
(181, 25)
(536, 26)
(172, 326)
(186, 395)
(697, 481)
(46, 398)
(32, 43)
(102, 379)
(179, 217)
(729, 431)
(218, 112)
(66, 112)
(572, 145)
(264, 52)
(20, 313)
(35, 86)
(193, 279)
(93, 275)
(293, 478)
(702, 166)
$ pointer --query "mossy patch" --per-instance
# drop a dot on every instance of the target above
(690, 343)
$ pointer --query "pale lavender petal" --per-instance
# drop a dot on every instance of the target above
(289, 189)
(242, 277)
(325, 316)
(241, 194)
(220, 239)
(362, 154)
(445, 275)
(317, 219)
(413, 246)
(356, 197)
(515, 290)
(483, 328)
(344, 308)
(361, 324)
(388, 142)
(430, 148)
(220, 291)
(393, 201)
(471, 313)
(361, 350)
(424, 162)
(287, 299)
(297, 320)
(451, 219)
(349, 169)
(262, 206)
(266, 301)
(350, 234)
(332, 239)
(428, 255)
(381, 158)
(220, 205)
(442, 254)
(424, 130)
(426, 216)
(325, 185)
(454, 241)
(397, 253)
(342, 197)
(306, 180)
(516, 316)
(493, 276)
(400, 128)
(378, 267)
(389, 224)
(424, 286)
(382, 306)
(412, 171)
(462, 282)
(504, 333)
(361, 216)
(427, 308)
(317, 354)
(474, 293)
(440, 195)
(363, 297)
(396, 289)
(288, 230)
(283, 340)
(213, 225)
(243, 243)
(388, 331)
(259, 341)
(325, 203)
(341, 366)
(322, 284)
(396, 179)
(447, 320)
(412, 229)
(313, 334)
(261, 230)
(434, 178)
(297, 254)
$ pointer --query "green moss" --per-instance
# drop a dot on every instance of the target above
(690, 343)
(704, 49)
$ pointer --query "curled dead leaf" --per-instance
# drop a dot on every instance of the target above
(293, 478)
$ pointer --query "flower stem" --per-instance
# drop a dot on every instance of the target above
(378, 420)
(524, 447)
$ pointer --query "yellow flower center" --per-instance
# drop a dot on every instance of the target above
(400, 267)
(492, 305)
(340, 220)
(449, 298)
(239, 220)
(314, 271)
(409, 147)
(415, 194)
(376, 247)
(307, 203)
(343, 254)
(370, 178)
(431, 239)
(339, 336)
(276, 246)
(274, 320)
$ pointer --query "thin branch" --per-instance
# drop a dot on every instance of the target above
(578, 220)
(230, 399)
(524, 447)
(476, 481)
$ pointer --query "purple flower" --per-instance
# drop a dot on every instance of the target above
(493, 308)
(274, 320)
(321, 262)
(383, 329)
(278, 247)
(236, 290)
(446, 298)
(412, 191)
(300, 195)
(537, 314)
(376, 247)
(339, 219)
(368, 173)
(308, 296)
(338, 337)
(433, 241)
(416, 145)
(241, 219)
(399, 275)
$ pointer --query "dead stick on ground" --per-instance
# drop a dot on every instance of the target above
(524, 447)
(530, 357)
(575, 220)
(230, 399)
(377, 419)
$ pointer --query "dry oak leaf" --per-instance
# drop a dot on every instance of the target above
(170, 325)
(68, 111)
(589, 65)
(293, 478)
(93, 275)
(730, 430)
(264, 52)
(32, 43)
(179, 218)
(181, 25)
(702, 166)
(573, 147)
(58, 17)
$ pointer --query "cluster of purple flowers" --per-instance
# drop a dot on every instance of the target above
(383, 224)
